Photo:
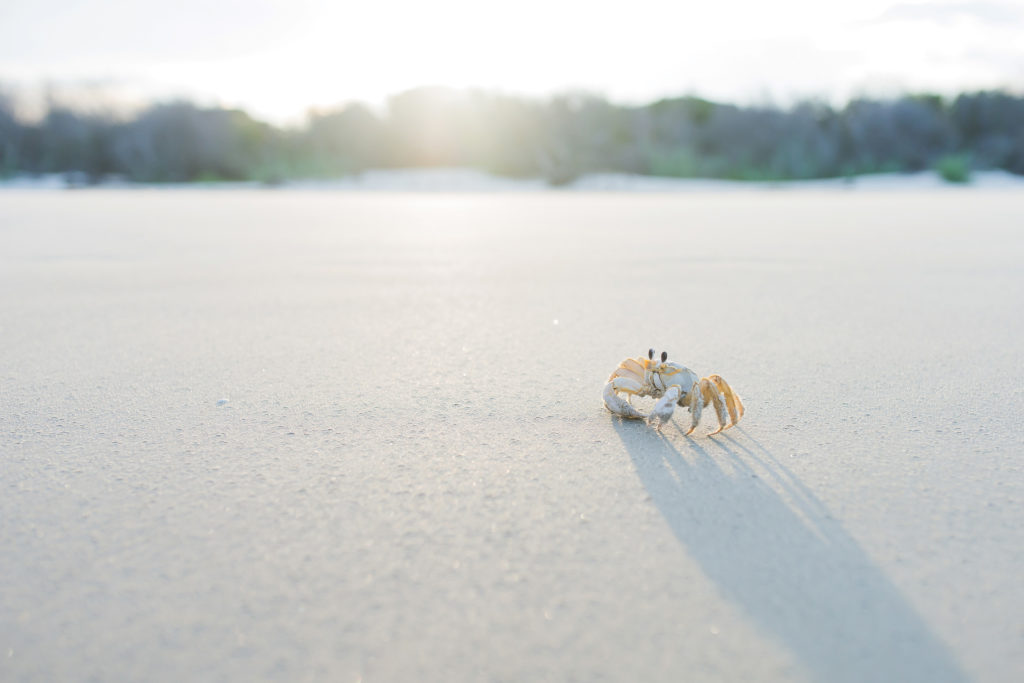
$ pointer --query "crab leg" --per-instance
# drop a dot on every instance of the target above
(695, 402)
(732, 401)
(714, 396)
(615, 403)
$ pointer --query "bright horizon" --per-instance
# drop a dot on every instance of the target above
(277, 59)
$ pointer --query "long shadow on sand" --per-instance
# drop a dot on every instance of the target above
(774, 550)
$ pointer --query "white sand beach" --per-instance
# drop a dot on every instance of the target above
(295, 435)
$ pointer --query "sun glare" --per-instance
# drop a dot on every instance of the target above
(279, 58)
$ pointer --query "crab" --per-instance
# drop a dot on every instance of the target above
(672, 384)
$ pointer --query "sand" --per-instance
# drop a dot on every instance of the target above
(303, 435)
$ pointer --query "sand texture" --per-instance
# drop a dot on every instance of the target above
(359, 437)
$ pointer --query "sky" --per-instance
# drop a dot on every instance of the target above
(279, 58)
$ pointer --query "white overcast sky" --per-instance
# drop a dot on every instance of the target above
(277, 58)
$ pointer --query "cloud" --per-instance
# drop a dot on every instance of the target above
(988, 13)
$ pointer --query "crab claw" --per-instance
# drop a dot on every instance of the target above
(657, 419)
(663, 409)
(614, 402)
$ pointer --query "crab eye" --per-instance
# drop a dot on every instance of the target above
(664, 356)
(650, 354)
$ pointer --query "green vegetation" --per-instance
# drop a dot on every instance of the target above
(954, 168)
(558, 139)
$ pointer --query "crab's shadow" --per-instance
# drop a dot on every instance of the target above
(775, 551)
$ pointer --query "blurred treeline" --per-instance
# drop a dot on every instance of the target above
(557, 139)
